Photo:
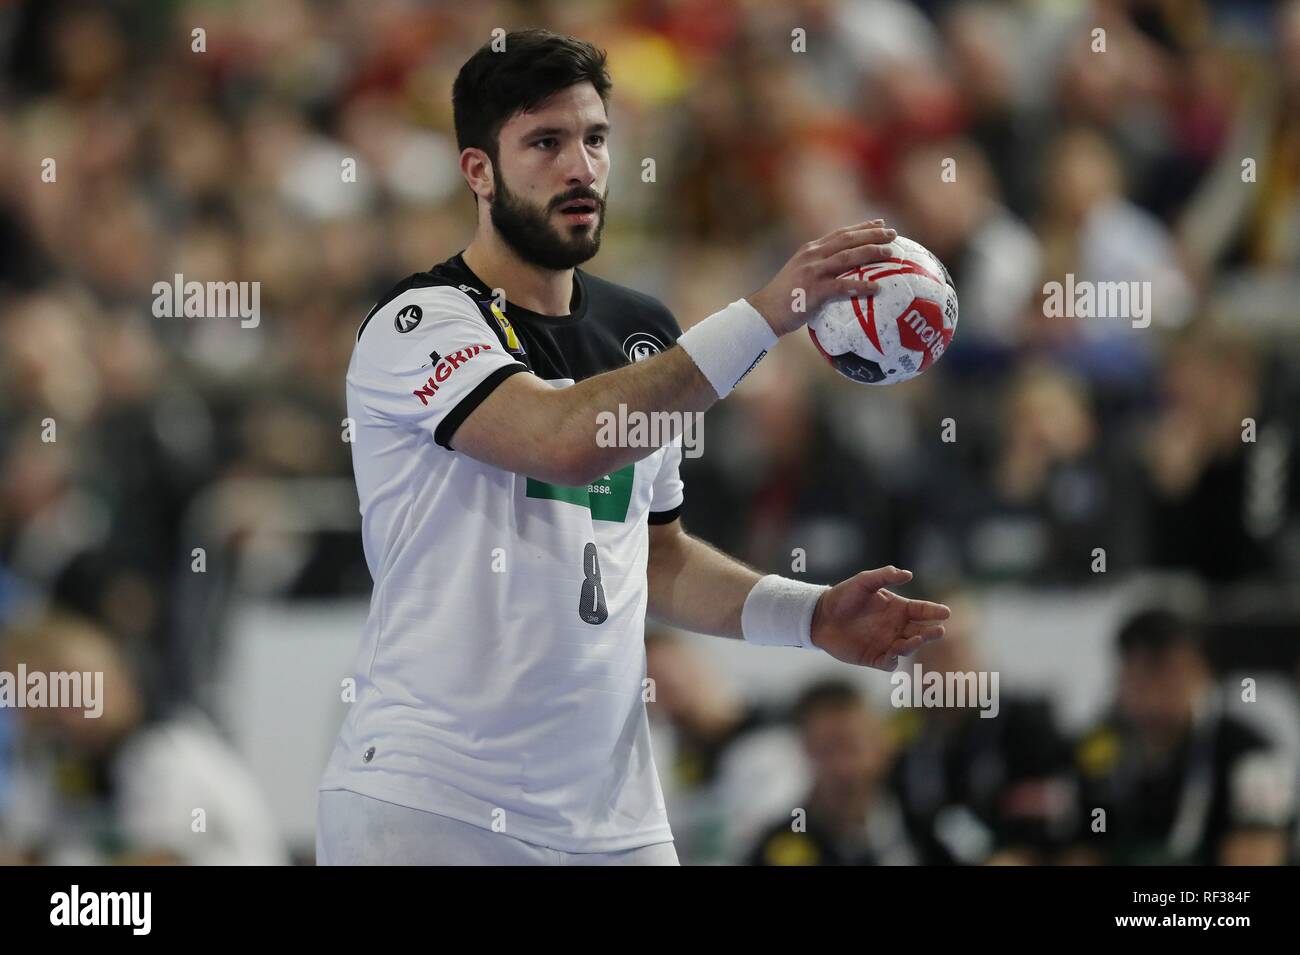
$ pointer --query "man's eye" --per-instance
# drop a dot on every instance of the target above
(597, 140)
(541, 142)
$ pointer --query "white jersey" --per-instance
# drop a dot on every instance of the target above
(500, 673)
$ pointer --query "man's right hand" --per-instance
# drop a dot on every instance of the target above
(815, 267)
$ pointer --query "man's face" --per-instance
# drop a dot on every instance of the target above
(1158, 689)
(547, 160)
(848, 753)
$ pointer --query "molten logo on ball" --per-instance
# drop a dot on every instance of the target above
(900, 331)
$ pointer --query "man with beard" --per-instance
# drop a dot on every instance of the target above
(1175, 778)
(515, 544)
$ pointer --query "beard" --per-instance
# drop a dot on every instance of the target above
(531, 235)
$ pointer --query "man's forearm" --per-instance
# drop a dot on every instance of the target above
(698, 588)
(668, 382)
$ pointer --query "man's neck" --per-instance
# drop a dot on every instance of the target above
(544, 291)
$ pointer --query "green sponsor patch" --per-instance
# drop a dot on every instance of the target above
(607, 499)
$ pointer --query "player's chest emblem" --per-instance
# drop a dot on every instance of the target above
(607, 499)
(641, 345)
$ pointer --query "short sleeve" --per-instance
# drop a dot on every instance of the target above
(426, 360)
(667, 492)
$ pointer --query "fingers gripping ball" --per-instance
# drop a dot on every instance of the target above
(899, 332)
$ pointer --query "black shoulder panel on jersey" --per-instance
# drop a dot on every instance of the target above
(444, 273)
(615, 324)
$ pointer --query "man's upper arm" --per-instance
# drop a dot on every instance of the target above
(427, 360)
(516, 428)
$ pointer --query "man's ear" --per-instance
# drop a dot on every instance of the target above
(476, 167)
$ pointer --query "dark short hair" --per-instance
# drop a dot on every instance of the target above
(1157, 630)
(535, 64)
(832, 694)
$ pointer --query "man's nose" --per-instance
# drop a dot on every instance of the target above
(581, 168)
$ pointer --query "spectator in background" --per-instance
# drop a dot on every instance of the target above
(1202, 478)
(1056, 479)
(1231, 220)
(986, 43)
(1125, 91)
(1272, 239)
(1091, 230)
(848, 816)
(128, 785)
(724, 765)
(1178, 780)
(1039, 490)
(993, 257)
(974, 789)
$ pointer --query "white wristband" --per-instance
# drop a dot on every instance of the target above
(728, 344)
(778, 612)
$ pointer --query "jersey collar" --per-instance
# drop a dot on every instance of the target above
(577, 303)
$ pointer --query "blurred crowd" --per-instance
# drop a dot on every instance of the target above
(1166, 775)
(1022, 142)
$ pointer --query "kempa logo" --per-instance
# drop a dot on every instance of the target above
(408, 318)
(103, 908)
(56, 690)
(935, 690)
(655, 429)
(1131, 300)
(641, 345)
(182, 299)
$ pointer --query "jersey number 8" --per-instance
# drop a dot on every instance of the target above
(591, 604)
